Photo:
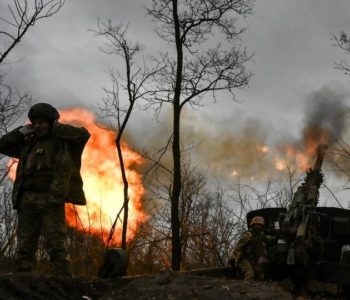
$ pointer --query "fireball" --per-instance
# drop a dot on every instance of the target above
(303, 156)
(103, 185)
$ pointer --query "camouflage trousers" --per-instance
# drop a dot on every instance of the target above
(251, 270)
(38, 217)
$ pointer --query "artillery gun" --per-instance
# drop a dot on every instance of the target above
(310, 241)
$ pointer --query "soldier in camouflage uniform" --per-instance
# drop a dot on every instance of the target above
(249, 253)
(47, 176)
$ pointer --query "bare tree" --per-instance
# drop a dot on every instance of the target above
(341, 151)
(21, 16)
(8, 223)
(211, 217)
(15, 22)
(12, 106)
(343, 42)
(134, 84)
(207, 225)
(197, 69)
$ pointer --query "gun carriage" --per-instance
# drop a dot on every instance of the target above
(310, 241)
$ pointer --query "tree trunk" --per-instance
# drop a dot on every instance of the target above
(175, 222)
(126, 197)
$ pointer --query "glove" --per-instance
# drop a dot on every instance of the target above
(26, 130)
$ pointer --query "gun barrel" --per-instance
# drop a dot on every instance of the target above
(321, 152)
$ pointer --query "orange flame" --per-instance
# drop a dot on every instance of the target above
(234, 172)
(264, 149)
(103, 185)
(280, 165)
(304, 156)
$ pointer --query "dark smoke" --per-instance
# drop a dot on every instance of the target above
(225, 146)
(325, 112)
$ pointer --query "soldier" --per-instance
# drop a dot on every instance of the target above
(47, 176)
(249, 253)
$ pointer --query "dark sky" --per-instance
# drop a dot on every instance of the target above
(291, 41)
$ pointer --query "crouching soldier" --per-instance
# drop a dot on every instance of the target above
(47, 176)
(249, 253)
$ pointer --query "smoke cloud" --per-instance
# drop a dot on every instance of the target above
(325, 113)
(251, 148)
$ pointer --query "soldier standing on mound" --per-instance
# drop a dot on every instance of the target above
(249, 253)
(47, 176)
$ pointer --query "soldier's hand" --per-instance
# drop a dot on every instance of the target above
(26, 130)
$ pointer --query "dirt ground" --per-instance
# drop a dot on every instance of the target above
(165, 285)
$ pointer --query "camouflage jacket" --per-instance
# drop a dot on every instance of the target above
(251, 245)
(68, 142)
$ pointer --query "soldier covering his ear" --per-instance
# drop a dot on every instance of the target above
(47, 177)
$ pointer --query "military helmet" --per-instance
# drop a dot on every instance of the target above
(257, 220)
(44, 111)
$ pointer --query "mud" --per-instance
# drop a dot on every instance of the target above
(165, 285)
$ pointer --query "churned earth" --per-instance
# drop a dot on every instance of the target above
(163, 285)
